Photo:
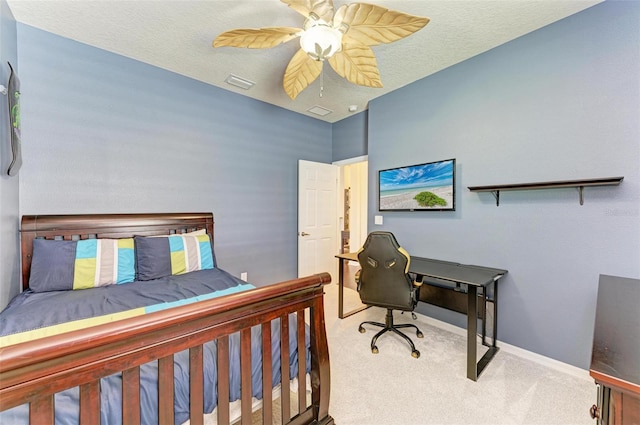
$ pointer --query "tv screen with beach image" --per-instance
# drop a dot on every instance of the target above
(422, 187)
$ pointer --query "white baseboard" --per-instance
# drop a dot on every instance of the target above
(520, 352)
(547, 361)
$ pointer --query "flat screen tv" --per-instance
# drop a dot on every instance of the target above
(421, 187)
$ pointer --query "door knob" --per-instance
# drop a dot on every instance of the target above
(595, 412)
(305, 234)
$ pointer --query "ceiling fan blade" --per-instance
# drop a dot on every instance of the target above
(371, 25)
(322, 8)
(262, 38)
(357, 63)
(301, 71)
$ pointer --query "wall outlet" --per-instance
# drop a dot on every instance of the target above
(243, 276)
(377, 219)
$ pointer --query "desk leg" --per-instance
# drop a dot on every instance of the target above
(484, 315)
(475, 369)
(472, 329)
(341, 313)
(340, 288)
(495, 312)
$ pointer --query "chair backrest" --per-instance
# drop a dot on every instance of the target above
(384, 279)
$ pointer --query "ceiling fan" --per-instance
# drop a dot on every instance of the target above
(342, 38)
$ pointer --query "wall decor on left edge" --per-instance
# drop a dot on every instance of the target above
(14, 122)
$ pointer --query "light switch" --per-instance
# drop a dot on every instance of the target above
(377, 219)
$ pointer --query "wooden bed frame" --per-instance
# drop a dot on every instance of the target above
(32, 372)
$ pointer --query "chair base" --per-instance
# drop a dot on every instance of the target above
(390, 326)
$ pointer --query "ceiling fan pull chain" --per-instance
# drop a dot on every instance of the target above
(321, 80)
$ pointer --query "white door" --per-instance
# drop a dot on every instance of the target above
(317, 218)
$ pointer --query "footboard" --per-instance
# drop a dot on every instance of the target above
(32, 372)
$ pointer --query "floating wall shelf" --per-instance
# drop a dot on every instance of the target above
(580, 184)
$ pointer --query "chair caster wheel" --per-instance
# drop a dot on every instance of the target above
(362, 330)
(374, 350)
(419, 334)
(415, 354)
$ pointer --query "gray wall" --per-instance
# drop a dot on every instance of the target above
(560, 103)
(103, 133)
(350, 137)
(9, 186)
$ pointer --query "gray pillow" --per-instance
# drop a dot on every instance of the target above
(52, 265)
(152, 258)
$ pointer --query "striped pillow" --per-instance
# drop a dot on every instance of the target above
(59, 265)
(158, 257)
(101, 262)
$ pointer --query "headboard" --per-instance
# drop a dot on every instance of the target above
(87, 226)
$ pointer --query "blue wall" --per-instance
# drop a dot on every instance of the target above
(350, 137)
(9, 186)
(560, 103)
(103, 133)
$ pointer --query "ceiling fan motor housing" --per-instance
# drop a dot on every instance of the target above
(320, 40)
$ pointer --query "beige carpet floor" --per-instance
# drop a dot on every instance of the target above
(393, 388)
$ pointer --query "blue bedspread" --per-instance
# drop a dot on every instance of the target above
(30, 311)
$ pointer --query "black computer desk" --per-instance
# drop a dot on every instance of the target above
(462, 288)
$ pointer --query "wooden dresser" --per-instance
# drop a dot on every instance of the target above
(615, 358)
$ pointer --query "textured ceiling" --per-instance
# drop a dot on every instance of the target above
(177, 35)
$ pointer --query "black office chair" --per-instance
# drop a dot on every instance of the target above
(384, 281)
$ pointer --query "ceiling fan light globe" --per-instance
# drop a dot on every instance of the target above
(320, 40)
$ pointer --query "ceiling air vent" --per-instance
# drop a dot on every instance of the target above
(243, 83)
(319, 110)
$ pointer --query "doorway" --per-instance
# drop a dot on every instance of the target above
(352, 209)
